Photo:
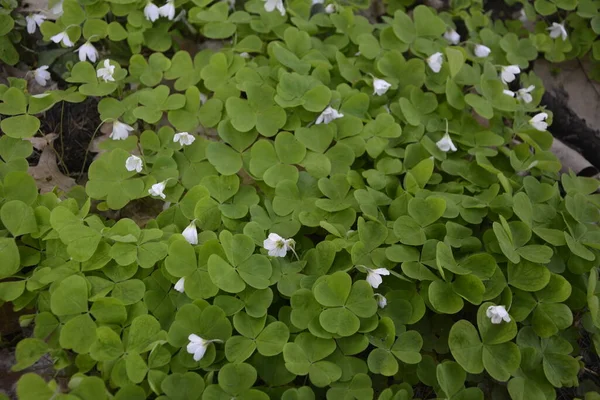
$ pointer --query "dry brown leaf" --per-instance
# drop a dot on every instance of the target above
(46, 173)
(40, 143)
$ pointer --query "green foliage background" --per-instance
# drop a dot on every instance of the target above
(491, 224)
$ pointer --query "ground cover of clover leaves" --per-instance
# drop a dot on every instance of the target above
(350, 210)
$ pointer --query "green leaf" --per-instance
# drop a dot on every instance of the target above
(426, 211)
(272, 339)
(466, 347)
(183, 386)
(9, 253)
(501, 360)
(33, 387)
(333, 290)
(443, 298)
(70, 296)
(451, 377)
(107, 346)
(237, 378)
(28, 352)
(78, 334)
(21, 126)
(226, 160)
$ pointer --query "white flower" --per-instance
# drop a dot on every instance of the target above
(452, 36)
(539, 121)
(120, 131)
(107, 72)
(509, 92)
(62, 37)
(134, 163)
(381, 300)
(507, 74)
(317, 2)
(190, 233)
(179, 285)
(497, 314)
(277, 246)
(380, 86)
(57, 9)
(184, 138)
(523, 94)
(271, 5)
(203, 98)
(435, 62)
(198, 346)
(41, 75)
(330, 9)
(168, 10)
(231, 4)
(374, 276)
(482, 51)
(87, 50)
(33, 21)
(445, 144)
(522, 15)
(157, 189)
(328, 115)
(151, 12)
(557, 30)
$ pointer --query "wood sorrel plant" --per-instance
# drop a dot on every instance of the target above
(352, 210)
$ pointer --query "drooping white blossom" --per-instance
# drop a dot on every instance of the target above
(151, 11)
(539, 121)
(374, 276)
(380, 86)
(435, 62)
(330, 9)
(87, 50)
(57, 9)
(179, 285)
(120, 130)
(62, 37)
(277, 246)
(168, 10)
(452, 36)
(557, 30)
(184, 138)
(33, 22)
(381, 300)
(41, 75)
(328, 115)
(134, 163)
(190, 233)
(197, 346)
(157, 189)
(445, 144)
(524, 94)
(508, 73)
(509, 92)
(482, 51)
(497, 314)
(271, 5)
(106, 73)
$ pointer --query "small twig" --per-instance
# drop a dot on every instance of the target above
(62, 144)
(88, 150)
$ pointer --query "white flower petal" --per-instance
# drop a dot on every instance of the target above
(328, 115)
(445, 144)
(380, 86)
(435, 62)
(190, 233)
(482, 51)
(179, 286)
